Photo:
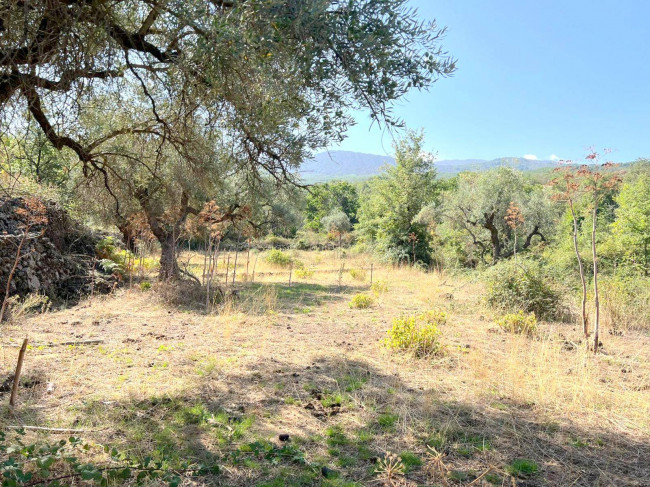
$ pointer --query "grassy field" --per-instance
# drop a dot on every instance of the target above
(494, 409)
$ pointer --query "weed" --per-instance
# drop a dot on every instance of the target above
(410, 460)
(379, 287)
(390, 468)
(522, 467)
(358, 274)
(336, 436)
(387, 421)
(351, 383)
(519, 323)
(362, 301)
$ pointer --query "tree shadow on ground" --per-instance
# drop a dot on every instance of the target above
(341, 415)
(298, 296)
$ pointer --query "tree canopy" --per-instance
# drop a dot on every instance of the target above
(257, 84)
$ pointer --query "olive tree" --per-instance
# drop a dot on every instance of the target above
(479, 207)
(273, 80)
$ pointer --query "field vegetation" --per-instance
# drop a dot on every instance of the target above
(179, 308)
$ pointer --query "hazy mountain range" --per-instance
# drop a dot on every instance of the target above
(326, 166)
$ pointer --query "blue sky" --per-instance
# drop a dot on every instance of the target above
(536, 78)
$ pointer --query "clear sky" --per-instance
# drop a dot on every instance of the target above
(535, 77)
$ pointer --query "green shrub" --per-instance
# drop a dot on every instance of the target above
(362, 301)
(145, 286)
(415, 334)
(278, 258)
(518, 323)
(358, 274)
(524, 288)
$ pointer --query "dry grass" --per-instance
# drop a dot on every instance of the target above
(298, 360)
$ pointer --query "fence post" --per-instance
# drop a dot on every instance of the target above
(290, 272)
(19, 368)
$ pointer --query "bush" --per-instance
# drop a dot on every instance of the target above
(362, 301)
(358, 274)
(416, 334)
(524, 288)
(518, 323)
(278, 258)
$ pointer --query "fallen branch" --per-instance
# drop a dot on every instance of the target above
(63, 344)
(51, 430)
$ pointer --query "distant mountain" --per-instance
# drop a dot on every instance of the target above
(347, 165)
(338, 164)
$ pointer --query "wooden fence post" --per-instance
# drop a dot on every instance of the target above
(19, 368)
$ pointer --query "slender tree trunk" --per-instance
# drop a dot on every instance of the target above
(234, 267)
(227, 267)
(595, 259)
(208, 277)
(585, 322)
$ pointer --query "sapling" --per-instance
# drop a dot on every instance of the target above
(514, 219)
(568, 191)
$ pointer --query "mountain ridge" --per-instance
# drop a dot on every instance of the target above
(338, 164)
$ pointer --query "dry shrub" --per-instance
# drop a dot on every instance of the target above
(263, 300)
(626, 303)
(187, 294)
(358, 274)
(520, 323)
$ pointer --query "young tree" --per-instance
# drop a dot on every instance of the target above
(273, 79)
(595, 181)
(597, 184)
(568, 190)
(337, 223)
(514, 219)
(392, 200)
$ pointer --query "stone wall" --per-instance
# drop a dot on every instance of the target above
(56, 258)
